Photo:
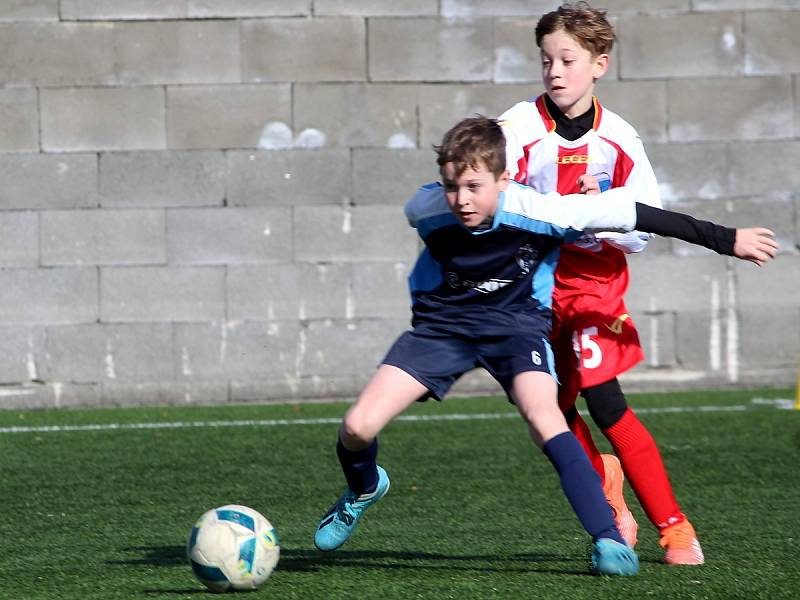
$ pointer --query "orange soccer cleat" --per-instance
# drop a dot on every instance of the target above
(612, 487)
(680, 544)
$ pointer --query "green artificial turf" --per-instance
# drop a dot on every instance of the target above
(475, 510)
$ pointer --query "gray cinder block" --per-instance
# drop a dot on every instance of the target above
(647, 40)
(23, 354)
(730, 109)
(41, 181)
(289, 177)
(204, 9)
(211, 117)
(356, 114)
(57, 54)
(111, 118)
(19, 239)
(162, 293)
(130, 352)
(19, 120)
(328, 233)
(391, 177)
(96, 237)
(430, 49)
(290, 291)
(229, 235)
(144, 179)
(114, 9)
(278, 50)
(48, 296)
(177, 52)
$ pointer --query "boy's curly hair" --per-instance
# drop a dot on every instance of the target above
(587, 25)
(473, 142)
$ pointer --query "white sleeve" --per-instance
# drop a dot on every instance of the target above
(514, 148)
(520, 125)
(630, 242)
(643, 180)
(614, 210)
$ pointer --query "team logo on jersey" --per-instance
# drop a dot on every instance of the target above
(573, 159)
(525, 257)
(484, 287)
(453, 280)
(616, 326)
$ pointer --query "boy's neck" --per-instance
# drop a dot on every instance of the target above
(570, 129)
(487, 224)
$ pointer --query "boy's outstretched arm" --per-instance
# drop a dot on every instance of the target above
(755, 244)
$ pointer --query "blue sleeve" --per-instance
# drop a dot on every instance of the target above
(426, 274)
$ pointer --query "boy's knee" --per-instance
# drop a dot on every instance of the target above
(606, 403)
(355, 433)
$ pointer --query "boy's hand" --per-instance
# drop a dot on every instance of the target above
(756, 244)
(588, 184)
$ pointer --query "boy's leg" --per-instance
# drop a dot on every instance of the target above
(644, 467)
(606, 465)
(534, 394)
(389, 392)
(569, 386)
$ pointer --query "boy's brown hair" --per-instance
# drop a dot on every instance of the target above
(473, 142)
(587, 25)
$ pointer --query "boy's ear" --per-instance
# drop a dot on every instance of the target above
(503, 180)
(600, 65)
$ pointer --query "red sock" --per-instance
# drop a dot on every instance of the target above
(581, 430)
(641, 461)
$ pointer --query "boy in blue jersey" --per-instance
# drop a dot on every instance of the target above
(481, 297)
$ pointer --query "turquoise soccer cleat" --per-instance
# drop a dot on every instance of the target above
(612, 558)
(340, 521)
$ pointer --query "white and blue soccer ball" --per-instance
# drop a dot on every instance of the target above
(233, 548)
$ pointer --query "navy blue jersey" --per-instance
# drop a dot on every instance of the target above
(491, 281)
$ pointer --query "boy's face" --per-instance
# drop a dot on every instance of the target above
(569, 71)
(473, 195)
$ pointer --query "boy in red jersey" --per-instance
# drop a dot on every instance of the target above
(554, 141)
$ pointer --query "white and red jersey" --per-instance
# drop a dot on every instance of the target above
(537, 156)
(593, 336)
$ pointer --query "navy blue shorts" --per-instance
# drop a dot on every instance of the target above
(438, 359)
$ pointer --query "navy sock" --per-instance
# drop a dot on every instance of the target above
(360, 468)
(582, 487)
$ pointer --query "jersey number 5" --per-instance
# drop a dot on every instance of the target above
(586, 349)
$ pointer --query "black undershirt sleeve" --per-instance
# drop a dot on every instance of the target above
(648, 218)
(668, 223)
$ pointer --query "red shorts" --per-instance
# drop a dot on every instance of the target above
(592, 347)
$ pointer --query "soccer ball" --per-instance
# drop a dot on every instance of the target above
(233, 548)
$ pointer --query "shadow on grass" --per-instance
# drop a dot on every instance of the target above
(313, 561)
(154, 556)
(309, 561)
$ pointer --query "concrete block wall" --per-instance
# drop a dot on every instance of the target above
(202, 199)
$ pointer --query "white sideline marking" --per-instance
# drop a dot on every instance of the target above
(778, 403)
(783, 403)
